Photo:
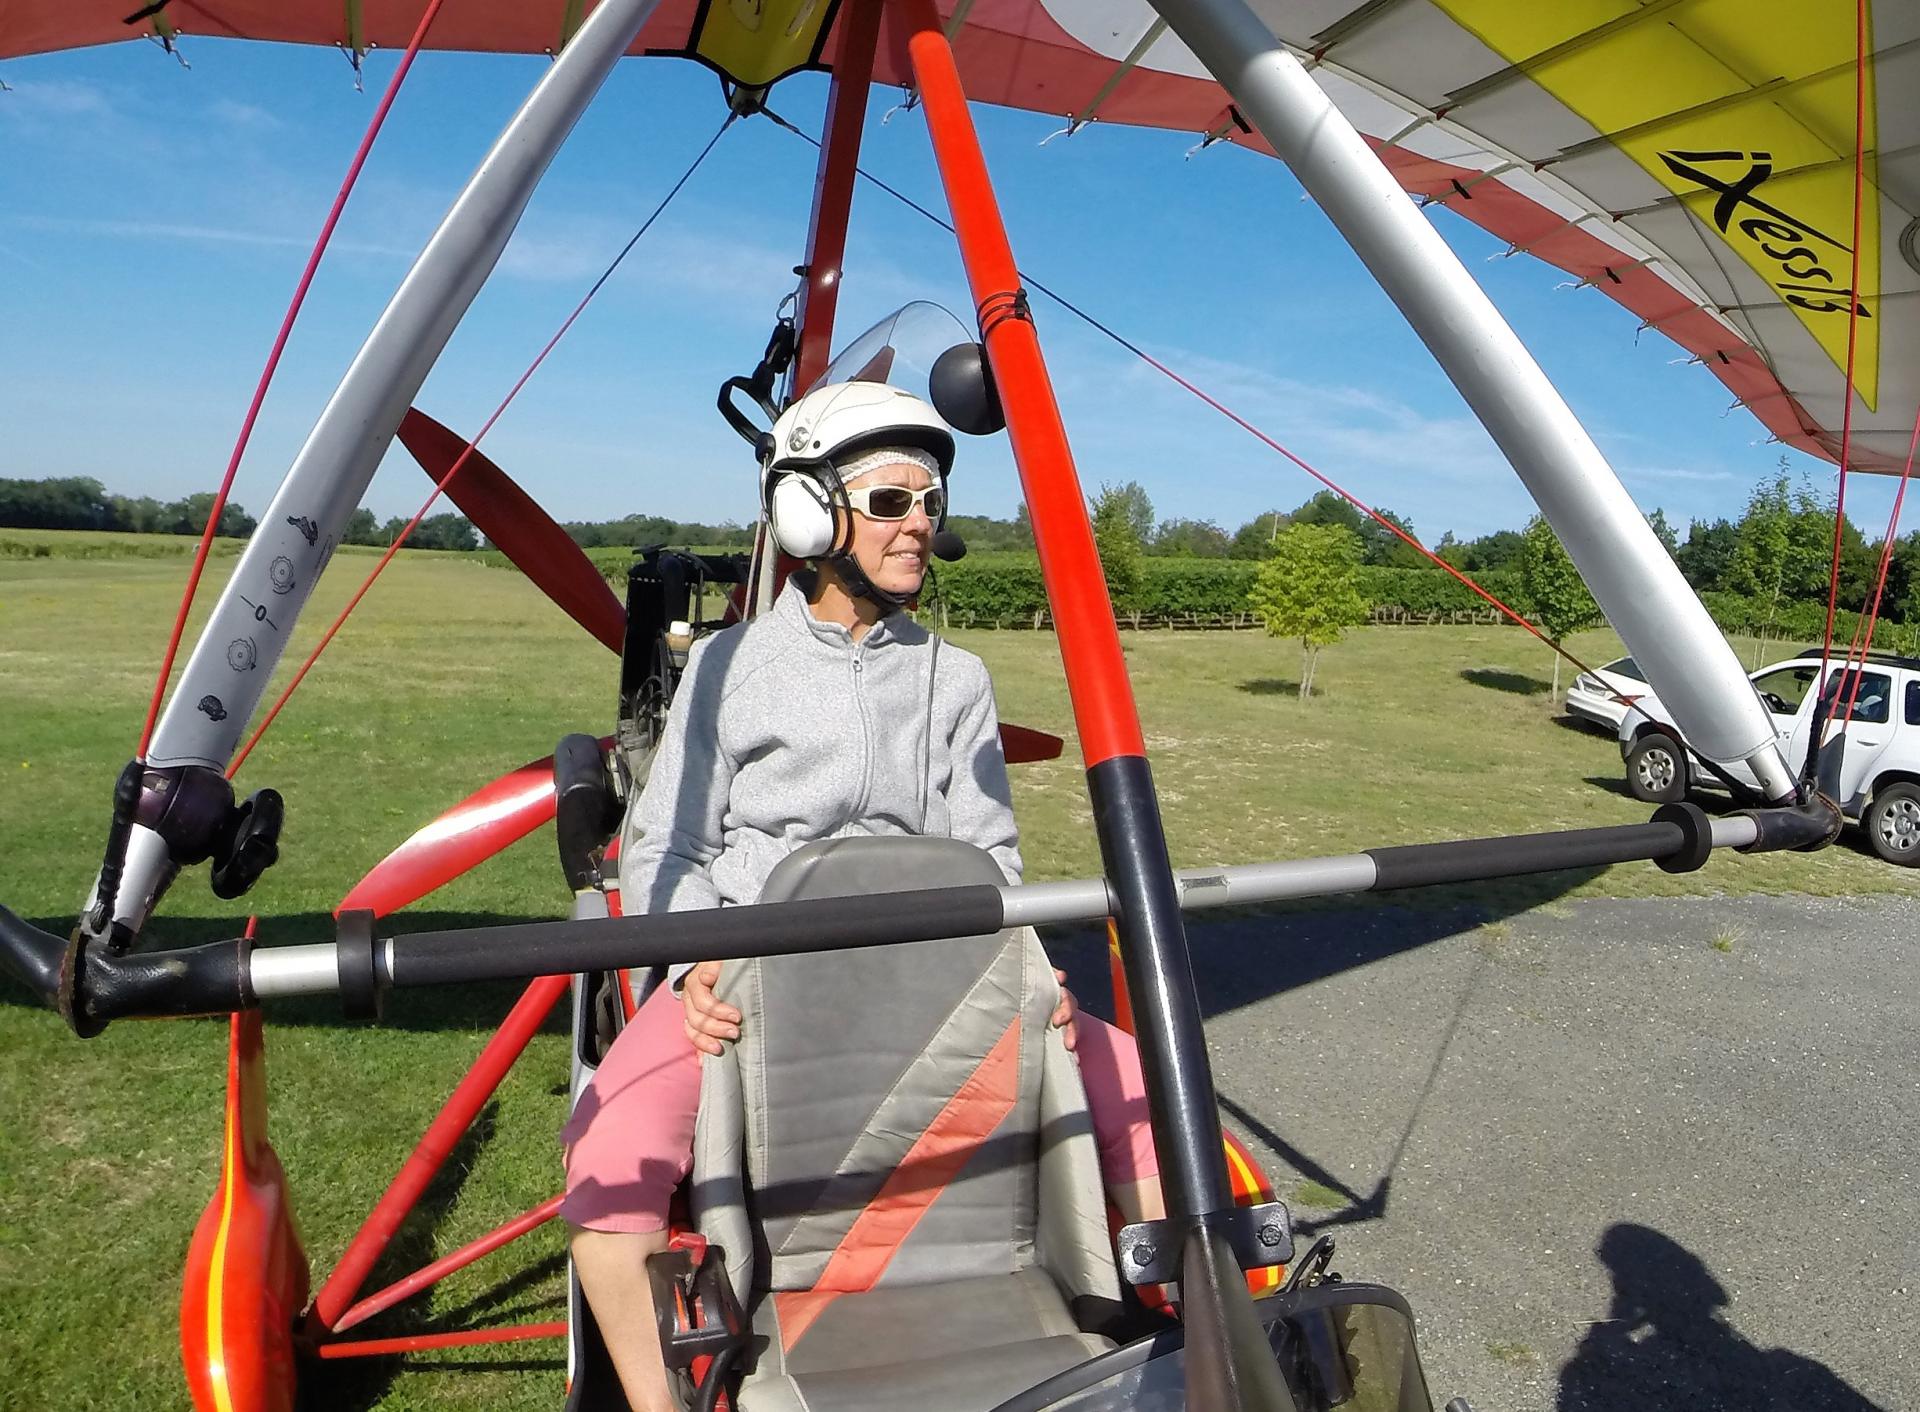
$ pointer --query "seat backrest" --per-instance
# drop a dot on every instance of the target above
(879, 1120)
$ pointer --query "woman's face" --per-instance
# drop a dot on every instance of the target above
(894, 552)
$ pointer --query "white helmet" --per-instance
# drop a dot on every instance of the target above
(829, 426)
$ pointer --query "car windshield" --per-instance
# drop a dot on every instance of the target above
(1625, 667)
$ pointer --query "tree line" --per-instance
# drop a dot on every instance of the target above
(1774, 557)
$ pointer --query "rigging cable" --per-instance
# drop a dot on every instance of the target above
(273, 362)
(1853, 332)
(1239, 421)
(1863, 632)
(461, 460)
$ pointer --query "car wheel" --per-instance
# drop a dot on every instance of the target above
(1657, 769)
(1893, 824)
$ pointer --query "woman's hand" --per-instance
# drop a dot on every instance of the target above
(709, 1020)
(1063, 1017)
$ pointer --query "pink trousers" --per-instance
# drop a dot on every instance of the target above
(630, 1140)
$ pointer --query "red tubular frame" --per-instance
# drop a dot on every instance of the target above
(1103, 705)
(418, 1343)
(401, 1290)
(833, 190)
(435, 1145)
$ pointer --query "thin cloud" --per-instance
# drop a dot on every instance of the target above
(52, 98)
(244, 117)
(192, 234)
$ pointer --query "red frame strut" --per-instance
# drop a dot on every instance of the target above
(402, 1290)
(833, 190)
(1103, 705)
(435, 1146)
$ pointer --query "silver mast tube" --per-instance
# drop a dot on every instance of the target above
(1636, 583)
(251, 625)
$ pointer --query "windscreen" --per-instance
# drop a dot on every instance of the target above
(901, 349)
(1338, 1354)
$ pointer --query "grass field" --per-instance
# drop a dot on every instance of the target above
(453, 672)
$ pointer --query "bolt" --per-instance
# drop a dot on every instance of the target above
(1270, 1234)
(1143, 1254)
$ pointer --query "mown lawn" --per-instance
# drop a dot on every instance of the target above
(453, 672)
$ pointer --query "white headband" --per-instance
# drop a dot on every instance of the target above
(887, 456)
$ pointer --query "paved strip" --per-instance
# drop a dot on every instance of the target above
(1651, 1155)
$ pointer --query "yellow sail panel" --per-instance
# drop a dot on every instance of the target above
(755, 42)
(1744, 110)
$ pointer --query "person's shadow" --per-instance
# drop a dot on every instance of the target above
(1667, 1346)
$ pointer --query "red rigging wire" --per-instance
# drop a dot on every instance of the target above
(1853, 326)
(467, 451)
(1863, 631)
(1238, 420)
(273, 363)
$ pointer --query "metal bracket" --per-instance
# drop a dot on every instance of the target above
(1260, 1236)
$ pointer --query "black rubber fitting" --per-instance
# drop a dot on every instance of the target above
(1806, 827)
(360, 989)
(1696, 837)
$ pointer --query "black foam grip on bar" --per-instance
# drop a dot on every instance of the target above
(1697, 832)
(1476, 859)
(359, 970)
(715, 934)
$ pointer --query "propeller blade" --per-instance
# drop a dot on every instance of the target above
(468, 834)
(518, 527)
(1023, 745)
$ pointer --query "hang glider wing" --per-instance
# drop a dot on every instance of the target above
(1692, 159)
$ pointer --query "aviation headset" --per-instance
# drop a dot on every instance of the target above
(804, 495)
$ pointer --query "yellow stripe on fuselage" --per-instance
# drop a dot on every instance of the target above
(1717, 100)
(216, 1275)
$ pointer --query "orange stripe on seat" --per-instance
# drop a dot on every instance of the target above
(931, 1164)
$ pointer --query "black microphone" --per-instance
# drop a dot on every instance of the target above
(948, 546)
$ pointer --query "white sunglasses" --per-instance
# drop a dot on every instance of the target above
(896, 502)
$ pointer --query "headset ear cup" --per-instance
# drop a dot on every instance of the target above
(800, 516)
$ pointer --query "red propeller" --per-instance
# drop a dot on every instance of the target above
(518, 527)
(468, 834)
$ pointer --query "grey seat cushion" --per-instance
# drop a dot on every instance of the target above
(896, 1157)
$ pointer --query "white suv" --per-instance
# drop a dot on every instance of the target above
(1880, 775)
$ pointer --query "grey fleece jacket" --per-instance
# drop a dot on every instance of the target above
(785, 731)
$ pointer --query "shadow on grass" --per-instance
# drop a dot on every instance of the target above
(1580, 725)
(1275, 686)
(1612, 784)
(481, 1005)
(1517, 683)
(356, 1384)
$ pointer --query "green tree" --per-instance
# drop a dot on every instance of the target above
(1782, 546)
(1254, 539)
(1134, 502)
(1663, 531)
(1309, 589)
(1552, 592)
(1116, 533)
(444, 532)
(362, 528)
(1708, 553)
(1191, 539)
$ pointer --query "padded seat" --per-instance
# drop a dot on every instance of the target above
(897, 1158)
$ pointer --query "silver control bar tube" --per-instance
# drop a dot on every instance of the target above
(251, 625)
(1638, 586)
(313, 969)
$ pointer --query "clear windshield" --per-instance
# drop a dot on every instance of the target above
(1336, 1351)
(901, 349)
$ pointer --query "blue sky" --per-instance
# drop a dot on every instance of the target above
(153, 220)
